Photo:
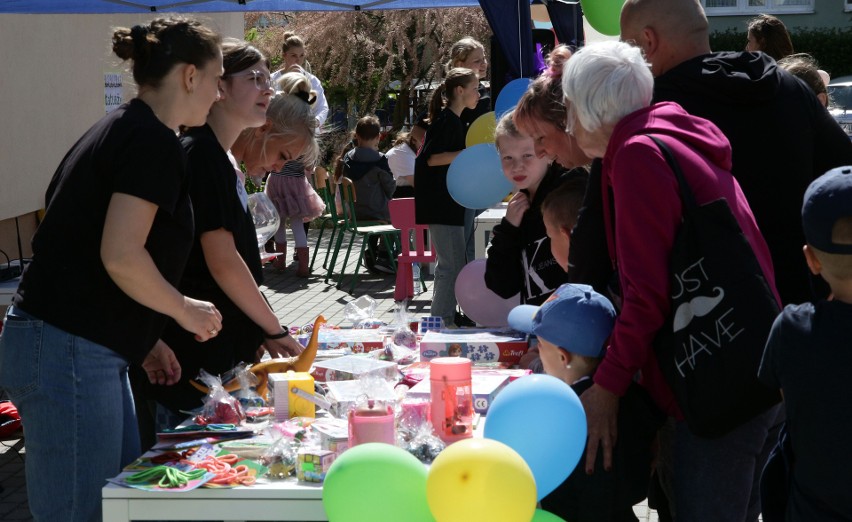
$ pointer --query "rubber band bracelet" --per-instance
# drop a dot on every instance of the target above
(285, 331)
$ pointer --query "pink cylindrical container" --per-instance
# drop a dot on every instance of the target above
(452, 398)
(371, 422)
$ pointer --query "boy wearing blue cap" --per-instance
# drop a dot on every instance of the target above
(807, 356)
(572, 327)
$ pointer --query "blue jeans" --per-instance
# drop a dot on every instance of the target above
(449, 243)
(717, 480)
(77, 411)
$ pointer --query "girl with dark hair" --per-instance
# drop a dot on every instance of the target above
(769, 34)
(115, 238)
(401, 159)
(433, 204)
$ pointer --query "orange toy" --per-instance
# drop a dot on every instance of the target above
(302, 363)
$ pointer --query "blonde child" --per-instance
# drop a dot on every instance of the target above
(290, 191)
(519, 258)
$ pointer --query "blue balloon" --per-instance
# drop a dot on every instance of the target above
(510, 95)
(475, 178)
(542, 419)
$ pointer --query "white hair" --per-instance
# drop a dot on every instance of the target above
(604, 82)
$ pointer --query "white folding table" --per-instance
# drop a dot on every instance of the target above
(281, 500)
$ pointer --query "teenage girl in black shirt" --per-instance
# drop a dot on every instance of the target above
(224, 265)
(106, 260)
(433, 204)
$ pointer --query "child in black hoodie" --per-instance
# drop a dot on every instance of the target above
(519, 257)
(374, 184)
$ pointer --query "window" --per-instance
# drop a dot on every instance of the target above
(848, 5)
(746, 7)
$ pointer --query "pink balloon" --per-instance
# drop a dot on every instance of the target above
(477, 301)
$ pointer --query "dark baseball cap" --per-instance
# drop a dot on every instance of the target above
(828, 199)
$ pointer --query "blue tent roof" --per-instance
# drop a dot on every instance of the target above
(185, 6)
(509, 19)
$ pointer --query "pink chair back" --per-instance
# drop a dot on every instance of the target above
(402, 217)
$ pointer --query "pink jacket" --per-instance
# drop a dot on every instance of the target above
(647, 211)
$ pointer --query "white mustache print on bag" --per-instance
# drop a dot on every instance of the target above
(696, 307)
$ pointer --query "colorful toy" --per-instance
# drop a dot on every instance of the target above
(302, 363)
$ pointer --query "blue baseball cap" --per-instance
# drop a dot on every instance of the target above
(828, 198)
(574, 318)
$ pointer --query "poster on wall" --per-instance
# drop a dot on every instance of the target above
(112, 91)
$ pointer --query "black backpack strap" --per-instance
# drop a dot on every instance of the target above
(685, 190)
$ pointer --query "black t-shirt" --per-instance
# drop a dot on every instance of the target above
(808, 356)
(469, 116)
(432, 202)
(217, 205)
(132, 152)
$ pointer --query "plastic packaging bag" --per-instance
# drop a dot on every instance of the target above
(402, 333)
(219, 406)
(280, 458)
(415, 433)
(400, 345)
(247, 394)
(253, 404)
(361, 313)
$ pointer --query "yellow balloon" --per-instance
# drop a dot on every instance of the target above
(481, 130)
(480, 480)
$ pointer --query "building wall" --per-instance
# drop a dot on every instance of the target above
(827, 13)
(51, 91)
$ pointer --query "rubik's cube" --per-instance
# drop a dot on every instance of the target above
(312, 465)
(430, 323)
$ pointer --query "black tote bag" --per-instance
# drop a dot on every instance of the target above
(722, 310)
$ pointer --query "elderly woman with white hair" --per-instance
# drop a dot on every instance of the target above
(608, 88)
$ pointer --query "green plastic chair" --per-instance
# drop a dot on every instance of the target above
(326, 192)
(365, 230)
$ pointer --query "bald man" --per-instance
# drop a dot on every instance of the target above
(781, 135)
(782, 138)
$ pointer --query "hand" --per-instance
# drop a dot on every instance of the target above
(285, 347)
(161, 365)
(518, 205)
(601, 407)
(201, 318)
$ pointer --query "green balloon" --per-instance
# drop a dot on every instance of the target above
(376, 482)
(545, 516)
(603, 15)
